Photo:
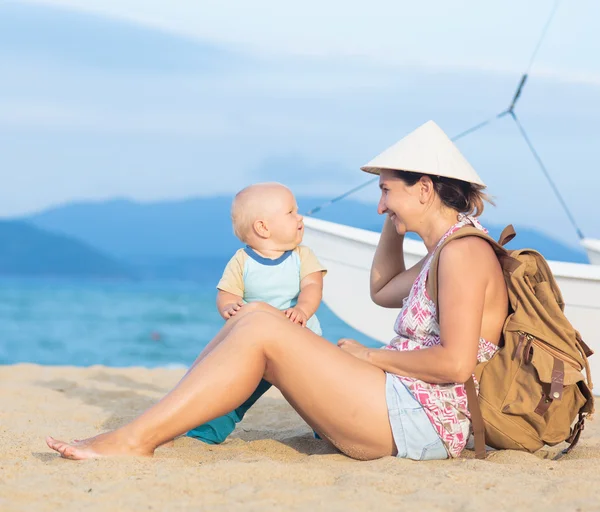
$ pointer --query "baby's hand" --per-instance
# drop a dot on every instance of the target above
(231, 309)
(296, 315)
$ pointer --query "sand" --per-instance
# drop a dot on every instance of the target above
(271, 462)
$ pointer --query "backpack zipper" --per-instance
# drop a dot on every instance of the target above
(554, 351)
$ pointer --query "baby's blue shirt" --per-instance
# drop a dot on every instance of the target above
(274, 281)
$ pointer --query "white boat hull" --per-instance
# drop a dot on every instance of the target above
(592, 247)
(348, 253)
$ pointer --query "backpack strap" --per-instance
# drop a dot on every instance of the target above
(507, 234)
(476, 418)
(473, 402)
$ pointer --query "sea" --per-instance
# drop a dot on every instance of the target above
(149, 323)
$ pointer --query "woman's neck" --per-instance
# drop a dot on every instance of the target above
(432, 231)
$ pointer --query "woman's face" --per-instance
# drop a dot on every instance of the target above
(401, 202)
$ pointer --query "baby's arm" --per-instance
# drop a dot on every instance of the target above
(311, 287)
(231, 287)
(228, 304)
(311, 292)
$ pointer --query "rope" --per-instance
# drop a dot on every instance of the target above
(511, 111)
(542, 35)
(338, 198)
(545, 171)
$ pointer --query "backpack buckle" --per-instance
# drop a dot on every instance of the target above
(574, 437)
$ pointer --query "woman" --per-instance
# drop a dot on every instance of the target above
(402, 401)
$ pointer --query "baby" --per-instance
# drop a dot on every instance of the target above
(272, 268)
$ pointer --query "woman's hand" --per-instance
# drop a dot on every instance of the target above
(354, 348)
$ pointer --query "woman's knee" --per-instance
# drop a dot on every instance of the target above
(267, 331)
(257, 323)
(254, 307)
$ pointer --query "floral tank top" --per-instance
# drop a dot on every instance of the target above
(417, 328)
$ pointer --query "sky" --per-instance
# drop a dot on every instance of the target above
(152, 100)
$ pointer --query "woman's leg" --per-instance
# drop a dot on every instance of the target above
(340, 396)
(222, 334)
(216, 431)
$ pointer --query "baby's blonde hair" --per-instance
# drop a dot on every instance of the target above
(248, 204)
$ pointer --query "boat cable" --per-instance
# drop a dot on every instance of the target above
(509, 111)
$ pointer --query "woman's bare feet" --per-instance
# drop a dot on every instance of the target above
(110, 444)
(166, 444)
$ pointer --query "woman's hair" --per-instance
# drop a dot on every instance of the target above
(462, 196)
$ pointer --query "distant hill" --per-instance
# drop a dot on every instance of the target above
(168, 238)
(27, 250)
(169, 229)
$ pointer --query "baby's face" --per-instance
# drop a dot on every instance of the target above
(285, 224)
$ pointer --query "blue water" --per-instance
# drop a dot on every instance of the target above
(82, 323)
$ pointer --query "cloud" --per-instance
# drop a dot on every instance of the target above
(90, 128)
(437, 34)
(305, 177)
(39, 34)
(65, 118)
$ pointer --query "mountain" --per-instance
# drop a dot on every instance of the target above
(30, 251)
(169, 229)
(175, 234)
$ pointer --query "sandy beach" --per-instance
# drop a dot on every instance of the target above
(271, 462)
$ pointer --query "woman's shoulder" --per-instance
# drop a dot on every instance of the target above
(468, 253)
(467, 244)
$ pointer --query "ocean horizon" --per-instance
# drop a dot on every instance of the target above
(117, 323)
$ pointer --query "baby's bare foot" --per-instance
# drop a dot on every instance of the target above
(104, 445)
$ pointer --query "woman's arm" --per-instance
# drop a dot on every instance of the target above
(465, 267)
(390, 281)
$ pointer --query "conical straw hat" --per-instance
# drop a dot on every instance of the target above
(427, 150)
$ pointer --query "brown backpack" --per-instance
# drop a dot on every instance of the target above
(533, 389)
